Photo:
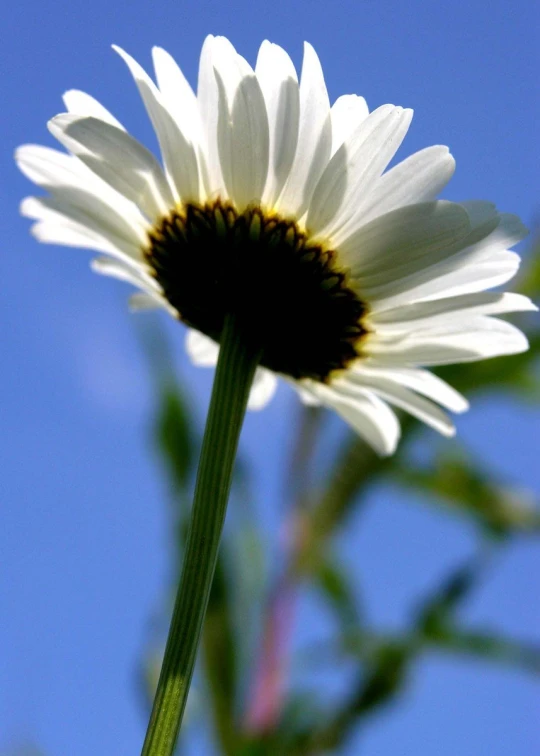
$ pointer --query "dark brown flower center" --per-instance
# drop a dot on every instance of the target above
(211, 260)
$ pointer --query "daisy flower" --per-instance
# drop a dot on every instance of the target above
(274, 203)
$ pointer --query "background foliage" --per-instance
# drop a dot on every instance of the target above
(251, 687)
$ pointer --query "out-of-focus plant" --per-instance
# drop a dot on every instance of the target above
(242, 682)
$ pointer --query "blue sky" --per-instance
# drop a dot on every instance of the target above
(84, 541)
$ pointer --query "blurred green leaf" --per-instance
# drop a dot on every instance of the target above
(175, 437)
(436, 623)
(529, 275)
(333, 582)
(438, 610)
(459, 482)
(355, 467)
(492, 648)
(378, 683)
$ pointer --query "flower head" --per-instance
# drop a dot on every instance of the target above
(273, 203)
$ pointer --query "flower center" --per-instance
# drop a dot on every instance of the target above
(212, 260)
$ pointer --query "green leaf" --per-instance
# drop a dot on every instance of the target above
(529, 276)
(174, 436)
(492, 648)
(380, 681)
(333, 582)
(458, 481)
(436, 612)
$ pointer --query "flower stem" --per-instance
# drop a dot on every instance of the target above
(238, 359)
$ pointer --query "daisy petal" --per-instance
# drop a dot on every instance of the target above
(208, 101)
(47, 167)
(202, 350)
(307, 397)
(279, 85)
(347, 113)
(481, 263)
(466, 340)
(418, 178)
(53, 169)
(117, 158)
(142, 301)
(82, 104)
(179, 155)
(399, 243)
(314, 138)
(68, 233)
(368, 415)
(178, 96)
(117, 269)
(433, 311)
(263, 389)
(401, 397)
(243, 136)
(421, 381)
(52, 211)
(369, 150)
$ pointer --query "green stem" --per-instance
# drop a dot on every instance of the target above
(236, 366)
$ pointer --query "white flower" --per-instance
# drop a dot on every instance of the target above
(271, 200)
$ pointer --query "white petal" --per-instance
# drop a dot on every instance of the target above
(465, 340)
(105, 216)
(77, 221)
(314, 138)
(51, 169)
(347, 113)
(263, 389)
(130, 274)
(482, 264)
(243, 136)
(307, 396)
(419, 178)
(480, 212)
(369, 150)
(88, 209)
(426, 314)
(142, 301)
(401, 397)
(119, 159)
(82, 104)
(279, 84)
(47, 167)
(421, 381)
(179, 155)
(208, 100)
(178, 96)
(404, 241)
(71, 234)
(327, 199)
(368, 415)
(202, 350)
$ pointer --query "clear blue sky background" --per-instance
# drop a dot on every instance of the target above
(83, 541)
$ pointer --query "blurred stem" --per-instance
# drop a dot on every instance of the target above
(238, 359)
(356, 467)
(268, 690)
